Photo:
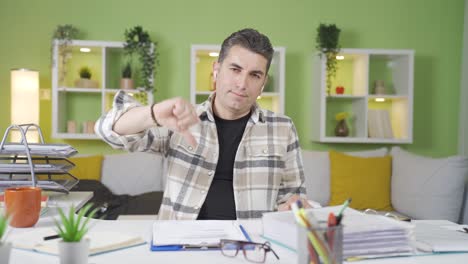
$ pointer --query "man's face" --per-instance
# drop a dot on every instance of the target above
(239, 81)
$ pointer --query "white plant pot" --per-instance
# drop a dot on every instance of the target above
(74, 252)
(5, 249)
(86, 83)
(126, 83)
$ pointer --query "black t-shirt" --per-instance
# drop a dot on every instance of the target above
(219, 203)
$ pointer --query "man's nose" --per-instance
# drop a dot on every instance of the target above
(242, 80)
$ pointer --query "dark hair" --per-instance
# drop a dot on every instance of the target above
(250, 39)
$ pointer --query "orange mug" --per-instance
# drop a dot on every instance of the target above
(23, 205)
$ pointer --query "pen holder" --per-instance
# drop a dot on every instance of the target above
(320, 244)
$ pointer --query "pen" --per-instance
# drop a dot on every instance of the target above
(245, 233)
(340, 214)
(332, 223)
(51, 237)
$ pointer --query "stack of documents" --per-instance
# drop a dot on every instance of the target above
(364, 236)
(171, 235)
(51, 150)
(370, 236)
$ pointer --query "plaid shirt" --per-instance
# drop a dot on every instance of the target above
(267, 169)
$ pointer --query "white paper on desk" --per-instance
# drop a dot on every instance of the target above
(100, 242)
(440, 237)
(197, 232)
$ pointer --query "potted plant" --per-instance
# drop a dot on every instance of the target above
(138, 41)
(85, 79)
(327, 40)
(341, 129)
(73, 249)
(5, 247)
(126, 82)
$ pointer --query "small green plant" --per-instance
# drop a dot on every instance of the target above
(327, 40)
(71, 228)
(127, 71)
(85, 73)
(3, 226)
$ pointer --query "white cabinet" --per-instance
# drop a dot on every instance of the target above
(201, 79)
(77, 103)
(378, 96)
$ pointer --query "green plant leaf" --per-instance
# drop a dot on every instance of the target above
(3, 225)
(72, 227)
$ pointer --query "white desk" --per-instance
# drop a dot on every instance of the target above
(142, 255)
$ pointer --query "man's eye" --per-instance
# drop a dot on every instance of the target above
(256, 76)
(235, 69)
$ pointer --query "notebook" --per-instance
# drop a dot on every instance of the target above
(170, 235)
(440, 236)
(100, 242)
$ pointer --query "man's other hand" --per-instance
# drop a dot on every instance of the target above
(287, 205)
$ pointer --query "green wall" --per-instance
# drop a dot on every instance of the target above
(433, 28)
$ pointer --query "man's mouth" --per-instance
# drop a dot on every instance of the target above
(239, 94)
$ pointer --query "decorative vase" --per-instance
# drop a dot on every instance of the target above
(126, 83)
(379, 87)
(5, 249)
(341, 129)
(74, 252)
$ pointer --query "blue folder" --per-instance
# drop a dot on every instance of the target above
(193, 247)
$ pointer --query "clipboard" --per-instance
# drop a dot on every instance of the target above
(242, 235)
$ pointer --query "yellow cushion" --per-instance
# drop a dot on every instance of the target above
(365, 180)
(87, 168)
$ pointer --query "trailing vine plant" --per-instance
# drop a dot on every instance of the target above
(138, 41)
(327, 40)
(63, 34)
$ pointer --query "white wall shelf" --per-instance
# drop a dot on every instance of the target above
(201, 83)
(382, 117)
(79, 104)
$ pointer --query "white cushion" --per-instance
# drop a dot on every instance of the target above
(428, 188)
(133, 173)
(317, 172)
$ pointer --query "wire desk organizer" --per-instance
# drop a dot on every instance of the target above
(35, 164)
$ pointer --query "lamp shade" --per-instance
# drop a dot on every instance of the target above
(25, 97)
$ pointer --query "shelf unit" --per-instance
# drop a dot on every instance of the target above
(201, 82)
(357, 73)
(85, 104)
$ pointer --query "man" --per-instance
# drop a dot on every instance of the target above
(227, 158)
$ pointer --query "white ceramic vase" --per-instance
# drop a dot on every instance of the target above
(74, 252)
(5, 249)
(126, 83)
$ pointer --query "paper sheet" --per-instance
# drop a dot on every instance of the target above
(172, 232)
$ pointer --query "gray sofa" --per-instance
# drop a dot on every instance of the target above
(422, 187)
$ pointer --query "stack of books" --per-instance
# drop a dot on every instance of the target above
(364, 235)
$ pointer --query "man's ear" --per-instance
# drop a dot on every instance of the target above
(264, 83)
(216, 66)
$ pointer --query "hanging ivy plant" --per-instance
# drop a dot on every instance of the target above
(138, 41)
(63, 34)
(328, 44)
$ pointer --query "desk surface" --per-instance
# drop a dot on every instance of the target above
(142, 255)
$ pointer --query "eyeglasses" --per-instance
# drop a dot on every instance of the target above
(253, 252)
